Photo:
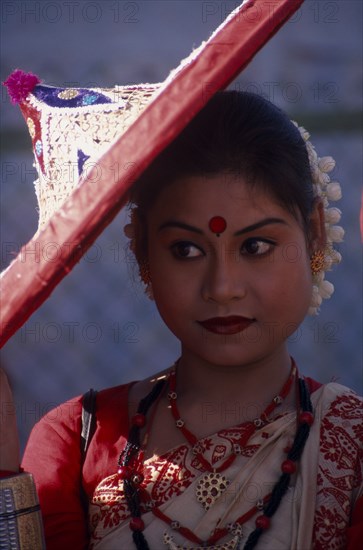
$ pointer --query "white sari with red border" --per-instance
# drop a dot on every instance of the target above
(314, 513)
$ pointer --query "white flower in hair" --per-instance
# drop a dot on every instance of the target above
(316, 301)
(337, 257)
(326, 164)
(333, 191)
(326, 289)
(333, 215)
(327, 190)
(335, 233)
(322, 177)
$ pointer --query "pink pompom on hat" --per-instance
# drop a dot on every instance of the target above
(20, 84)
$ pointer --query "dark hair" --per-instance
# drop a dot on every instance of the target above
(237, 133)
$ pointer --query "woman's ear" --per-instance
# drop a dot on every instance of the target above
(317, 230)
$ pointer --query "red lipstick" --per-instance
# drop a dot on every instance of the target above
(226, 325)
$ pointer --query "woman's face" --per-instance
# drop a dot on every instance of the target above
(233, 298)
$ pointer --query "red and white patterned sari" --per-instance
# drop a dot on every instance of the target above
(315, 512)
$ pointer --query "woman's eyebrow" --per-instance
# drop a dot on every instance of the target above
(187, 227)
(181, 225)
(262, 223)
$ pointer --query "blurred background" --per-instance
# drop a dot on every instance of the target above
(98, 329)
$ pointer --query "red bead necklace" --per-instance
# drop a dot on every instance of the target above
(251, 426)
(131, 466)
(214, 473)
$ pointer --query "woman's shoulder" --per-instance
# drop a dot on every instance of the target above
(334, 395)
(114, 395)
(66, 417)
(109, 401)
(339, 430)
(61, 427)
(340, 413)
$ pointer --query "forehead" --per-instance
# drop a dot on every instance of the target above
(205, 196)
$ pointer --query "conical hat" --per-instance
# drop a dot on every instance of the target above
(71, 129)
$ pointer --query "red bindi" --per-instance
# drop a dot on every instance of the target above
(217, 225)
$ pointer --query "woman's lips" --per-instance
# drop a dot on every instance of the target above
(226, 325)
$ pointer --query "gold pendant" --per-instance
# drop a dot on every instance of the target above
(210, 488)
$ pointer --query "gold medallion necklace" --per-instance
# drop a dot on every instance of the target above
(213, 484)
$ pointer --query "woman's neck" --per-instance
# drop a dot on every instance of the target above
(211, 398)
(258, 382)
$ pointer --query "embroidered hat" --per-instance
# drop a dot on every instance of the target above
(71, 128)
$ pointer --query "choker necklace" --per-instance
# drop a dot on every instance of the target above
(131, 472)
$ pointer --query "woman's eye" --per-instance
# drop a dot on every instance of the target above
(256, 247)
(186, 250)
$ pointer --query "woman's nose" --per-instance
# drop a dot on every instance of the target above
(224, 279)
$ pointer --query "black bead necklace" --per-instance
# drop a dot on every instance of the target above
(129, 466)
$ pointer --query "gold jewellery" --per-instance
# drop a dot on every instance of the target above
(317, 262)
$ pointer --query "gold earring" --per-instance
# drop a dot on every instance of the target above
(317, 262)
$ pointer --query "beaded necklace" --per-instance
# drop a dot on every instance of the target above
(212, 484)
(131, 470)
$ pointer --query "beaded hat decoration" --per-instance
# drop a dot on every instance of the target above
(71, 128)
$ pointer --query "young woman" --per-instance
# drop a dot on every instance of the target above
(230, 447)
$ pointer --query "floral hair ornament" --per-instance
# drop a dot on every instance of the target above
(326, 190)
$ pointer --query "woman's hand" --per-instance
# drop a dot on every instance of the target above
(9, 441)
